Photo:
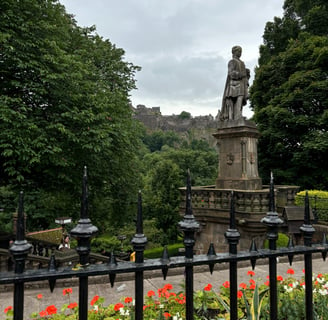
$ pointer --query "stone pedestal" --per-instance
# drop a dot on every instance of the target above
(237, 149)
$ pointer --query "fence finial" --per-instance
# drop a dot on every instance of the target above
(21, 247)
(272, 220)
(307, 227)
(232, 234)
(84, 230)
(139, 240)
(272, 197)
(232, 212)
(189, 225)
(84, 202)
(139, 214)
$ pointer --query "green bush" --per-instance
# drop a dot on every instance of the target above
(318, 200)
(155, 253)
(282, 241)
(109, 242)
(104, 244)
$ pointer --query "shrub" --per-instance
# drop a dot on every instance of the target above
(318, 200)
(155, 253)
(282, 241)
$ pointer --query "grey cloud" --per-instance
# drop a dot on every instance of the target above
(183, 46)
(182, 78)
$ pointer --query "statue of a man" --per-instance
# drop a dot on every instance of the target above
(236, 89)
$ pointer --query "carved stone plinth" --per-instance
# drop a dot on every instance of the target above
(237, 151)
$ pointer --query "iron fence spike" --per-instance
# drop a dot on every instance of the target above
(112, 277)
(211, 250)
(52, 262)
(52, 284)
(290, 242)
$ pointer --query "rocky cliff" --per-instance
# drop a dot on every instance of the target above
(201, 127)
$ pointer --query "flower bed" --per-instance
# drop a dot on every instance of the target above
(167, 303)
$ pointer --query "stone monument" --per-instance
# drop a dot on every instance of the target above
(237, 137)
(237, 140)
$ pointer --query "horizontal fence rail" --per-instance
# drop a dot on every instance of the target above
(85, 230)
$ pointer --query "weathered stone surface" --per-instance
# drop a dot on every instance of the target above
(200, 127)
(237, 155)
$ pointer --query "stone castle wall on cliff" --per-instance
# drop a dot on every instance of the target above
(201, 126)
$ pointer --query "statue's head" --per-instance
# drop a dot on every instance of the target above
(236, 50)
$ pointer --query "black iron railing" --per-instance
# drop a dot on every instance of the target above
(85, 230)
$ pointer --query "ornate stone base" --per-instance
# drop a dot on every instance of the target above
(241, 184)
(211, 208)
(237, 151)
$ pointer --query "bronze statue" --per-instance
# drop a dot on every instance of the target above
(236, 88)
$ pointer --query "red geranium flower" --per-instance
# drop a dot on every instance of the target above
(168, 286)
(290, 271)
(128, 300)
(72, 305)
(251, 273)
(67, 291)
(118, 306)
(43, 313)
(150, 293)
(167, 315)
(39, 296)
(252, 286)
(94, 300)
(226, 284)
(239, 294)
(243, 285)
(251, 281)
(267, 283)
(7, 309)
(280, 278)
(208, 287)
(51, 309)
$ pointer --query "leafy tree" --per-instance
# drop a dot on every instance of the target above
(165, 172)
(184, 115)
(162, 198)
(157, 139)
(64, 99)
(289, 97)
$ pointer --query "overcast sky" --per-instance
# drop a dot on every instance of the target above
(183, 46)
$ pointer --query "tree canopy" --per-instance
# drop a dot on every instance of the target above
(64, 104)
(165, 171)
(289, 95)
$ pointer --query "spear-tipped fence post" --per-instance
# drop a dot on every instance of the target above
(189, 226)
(83, 232)
(139, 242)
(272, 222)
(308, 230)
(232, 235)
(19, 251)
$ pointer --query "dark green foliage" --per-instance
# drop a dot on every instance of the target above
(63, 104)
(108, 241)
(184, 115)
(282, 241)
(289, 97)
(157, 139)
(156, 253)
(318, 202)
(165, 172)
